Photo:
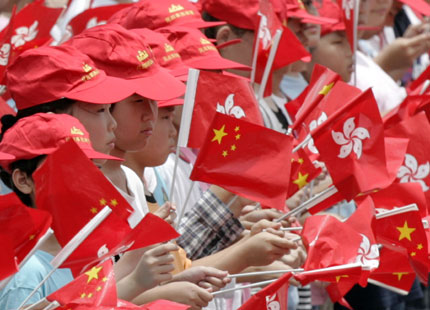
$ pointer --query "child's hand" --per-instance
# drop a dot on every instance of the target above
(167, 212)
(205, 277)
(186, 293)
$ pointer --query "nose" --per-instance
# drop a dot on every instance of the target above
(150, 110)
(112, 124)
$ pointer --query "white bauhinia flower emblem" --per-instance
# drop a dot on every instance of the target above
(93, 22)
(350, 139)
(272, 304)
(413, 172)
(25, 34)
(102, 251)
(229, 108)
(264, 33)
(368, 254)
(312, 126)
(347, 6)
(4, 54)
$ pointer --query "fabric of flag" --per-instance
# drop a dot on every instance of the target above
(303, 171)
(405, 230)
(416, 165)
(410, 106)
(6, 48)
(394, 272)
(8, 263)
(416, 85)
(246, 159)
(81, 195)
(95, 287)
(94, 17)
(122, 305)
(349, 18)
(348, 274)
(79, 203)
(273, 296)
(352, 145)
(22, 226)
(233, 96)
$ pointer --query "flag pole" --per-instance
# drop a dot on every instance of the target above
(328, 192)
(269, 64)
(243, 287)
(257, 43)
(187, 199)
(71, 246)
(262, 273)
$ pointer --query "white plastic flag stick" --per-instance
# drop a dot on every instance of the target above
(388, 287)
(243, 286)
(355, 35)
(52, 305)
(404, 209)
(425, 87)
(291, 228)
(39, 243)
(263, 21)
(269, 64)
(71, 246)
(187, 199)
(310, 203)
(262, 273)
(175, 170)
(302, 144)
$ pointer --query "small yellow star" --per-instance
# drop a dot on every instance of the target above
(237, 136)
(93, 273)
(31, 237)
(103, 202)
(413, 254)
(233, 147)
(400, 275)
(405, 232)
(219, 134)
(301, 180)
(325, 90)
(224, 153)
(300, 161)
(99, 288)
(83, 295)
(104, 279)
(90, 295)
(237, 128)
(94, 210)
(342, 276)
(420, 246)
(114, 202)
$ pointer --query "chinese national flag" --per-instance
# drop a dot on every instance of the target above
(233, 96)
(394, 272)
(403, 227)
(246, 159)
(302, 171)
(93, 17)
(416, 166)
(289, 50)
(352, 145)
(22, 228)
(273, 296)
(95, 287)
(8, 262)
(79, 203)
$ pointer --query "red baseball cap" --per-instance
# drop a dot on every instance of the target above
(170, 103)
(296, 8)
(123, 53)
(331, 10)
(239, 13)
(418, 5)
(196, 50)
(164, 52)
(42, 134)
(161, 13)
(49, 73)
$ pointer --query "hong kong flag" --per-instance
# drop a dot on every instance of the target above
(410, 106)
(93, 17)
(350, 10)
(246, 159)
(354, 149)
(208, 93)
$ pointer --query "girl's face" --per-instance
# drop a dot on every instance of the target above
(99, 123)
(136, 118)
(334, 52)
(378, 11)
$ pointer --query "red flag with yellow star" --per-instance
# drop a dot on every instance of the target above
(246, 159)
(303, 171)
(22, 227)
(403, 228)
(95, 287)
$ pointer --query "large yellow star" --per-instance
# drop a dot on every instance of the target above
(340, 277)
(219, 134)
(93, 273)
(400, 275)
(301, 180)
(405, 232)
(325, 90)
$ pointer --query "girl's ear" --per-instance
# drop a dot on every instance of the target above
(224, 34)
(22, 181)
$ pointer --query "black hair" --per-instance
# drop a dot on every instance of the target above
(212, 31)
(57, 106)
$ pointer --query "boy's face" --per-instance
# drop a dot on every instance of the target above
(378, 11)
(99, 123)
(163, 141)
(136, 118)
(334, 52)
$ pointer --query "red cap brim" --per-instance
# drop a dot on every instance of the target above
(201, 24)
(418, 5)
(311, 19)
(214, 62)
(170, 103)
(92, 154)
(6, 156)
